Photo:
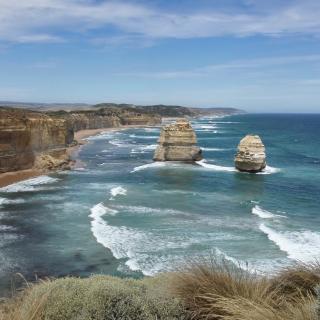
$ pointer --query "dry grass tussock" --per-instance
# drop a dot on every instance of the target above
(218, 290)
(202, 291)
(95, 298)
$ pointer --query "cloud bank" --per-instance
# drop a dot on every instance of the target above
(37, 21)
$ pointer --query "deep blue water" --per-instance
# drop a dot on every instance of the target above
(123, 214)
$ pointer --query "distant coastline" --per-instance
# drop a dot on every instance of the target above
(39, 138)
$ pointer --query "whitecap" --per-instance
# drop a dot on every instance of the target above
(148, 166)
(100, 210)
(29, 185)
(116, 191)
(299, 245)
(214, 167)
(264, 214)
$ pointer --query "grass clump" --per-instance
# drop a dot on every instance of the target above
(220, 291)
(96, 298)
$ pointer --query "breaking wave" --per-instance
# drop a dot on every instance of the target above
(264, 214)
(299, 245)
(116, 191)
(269, 170)
(148, 166)
(214, 167)
(29, 185)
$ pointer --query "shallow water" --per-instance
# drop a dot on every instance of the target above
(123, 214)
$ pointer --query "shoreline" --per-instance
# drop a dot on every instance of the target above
(80, 136)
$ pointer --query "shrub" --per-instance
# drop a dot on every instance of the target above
(97, 298)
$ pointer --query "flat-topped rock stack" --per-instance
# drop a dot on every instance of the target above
(251, 155)
(178, 142)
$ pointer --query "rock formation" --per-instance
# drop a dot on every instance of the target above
(178, 143)
(251, 156)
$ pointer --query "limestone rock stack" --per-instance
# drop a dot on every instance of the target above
(251, 155)
(178, 143)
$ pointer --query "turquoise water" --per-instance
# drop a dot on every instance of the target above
(123, 214)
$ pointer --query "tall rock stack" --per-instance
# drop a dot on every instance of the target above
(178, 143)
(251, 155)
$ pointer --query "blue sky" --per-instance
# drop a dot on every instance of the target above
(262, 56)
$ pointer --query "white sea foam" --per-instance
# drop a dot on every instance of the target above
(151, 129)
(4, 201)
(100, 210)
(143, 137)
(213, 149)
(214, 167)
(269, 170)
(29, 185)
(208, 127)
(151, 211)
(144, 148)
(264, 214)
(116, 191)
(299, 245)
(102, 136)
(148, 166)
(238, 263)
(117, 143)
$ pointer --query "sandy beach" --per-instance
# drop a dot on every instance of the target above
(80, 136)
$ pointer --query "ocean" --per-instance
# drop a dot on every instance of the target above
(125, 215)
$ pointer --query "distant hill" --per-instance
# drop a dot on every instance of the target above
(160, 109)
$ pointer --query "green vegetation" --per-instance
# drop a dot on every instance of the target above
(211, 291)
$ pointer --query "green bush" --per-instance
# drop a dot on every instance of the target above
(100, 298)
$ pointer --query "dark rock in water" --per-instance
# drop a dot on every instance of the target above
(178, 143)
(251, 156)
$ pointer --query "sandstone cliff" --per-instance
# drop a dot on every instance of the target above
(25, 134)
(34, 139)
(178, 143)
(251, 156)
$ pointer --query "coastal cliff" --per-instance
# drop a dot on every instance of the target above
(25, 134)
(31, 139)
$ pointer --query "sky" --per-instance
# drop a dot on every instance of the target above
(257, 55)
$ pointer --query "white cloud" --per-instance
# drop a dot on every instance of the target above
(47, 20)
(250, 64)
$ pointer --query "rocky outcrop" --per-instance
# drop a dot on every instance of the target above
(251, 156)
(178, 143)
(25, 134)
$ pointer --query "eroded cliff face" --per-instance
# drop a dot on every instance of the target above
(109, 118)
(24, 135)
(177, 142)
(33, 139)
